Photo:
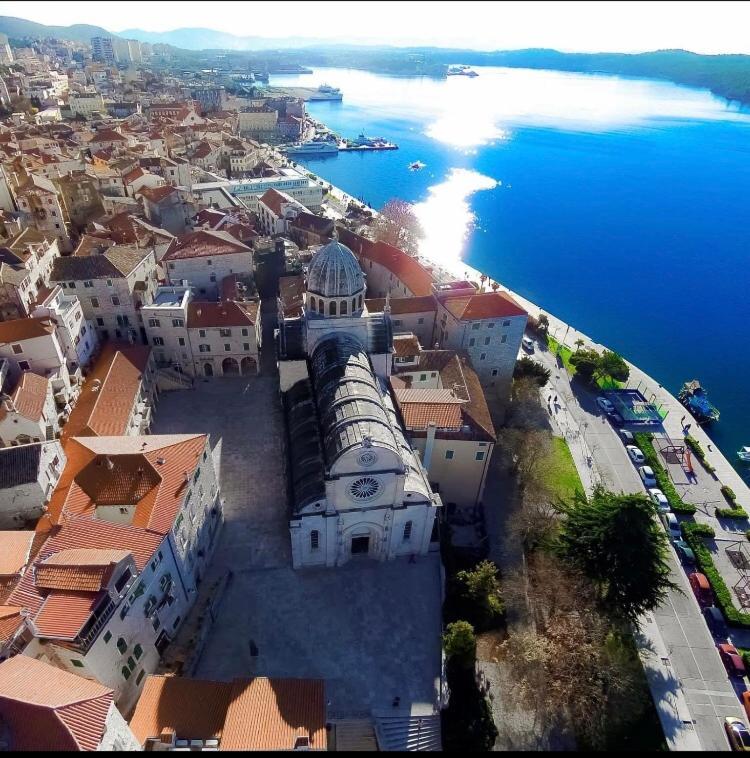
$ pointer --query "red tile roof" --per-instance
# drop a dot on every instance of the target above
(157, 194)
(47, 709)
(203, 244)
(63, 614)
(225, 314)
(15, 548)
(10, 622)
(30, 397)
(273, 199)
(24, 329)
(483, 306)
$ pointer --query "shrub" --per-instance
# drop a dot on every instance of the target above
(700, 454)
(737, 512)
(676, 503)
(693, 534)
(728, 493)
(460, 643)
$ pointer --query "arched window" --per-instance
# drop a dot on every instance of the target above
(332, 308)
(407, 531)
(354, 304)
(314, 539)
(321, 306)
(312, 303)
(343, 307)
(360, 301)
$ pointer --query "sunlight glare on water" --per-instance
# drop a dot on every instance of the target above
(446, 215)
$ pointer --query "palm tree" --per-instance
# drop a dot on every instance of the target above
(579, 344)
(495, 286)
(483, 278)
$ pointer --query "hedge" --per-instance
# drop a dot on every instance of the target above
(695, 446)
(676, 503)
(728, 493)
(738, 512)
(693, 534)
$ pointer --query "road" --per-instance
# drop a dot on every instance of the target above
(690, 687)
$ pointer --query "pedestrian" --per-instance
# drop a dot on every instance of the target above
(555, 398)
(709, 447)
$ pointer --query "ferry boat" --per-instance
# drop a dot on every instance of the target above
(323, 147)
(744, 453)
(461, 71)
(326, 92)
(695, 399)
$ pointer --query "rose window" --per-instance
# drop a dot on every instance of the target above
(365, 488)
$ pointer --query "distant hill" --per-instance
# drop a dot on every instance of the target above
(18, 28)
(208, 39)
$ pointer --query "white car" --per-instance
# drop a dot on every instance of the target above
(528, 344)
(626, 436)
(659, 499)
(647, 475)
(671, 524)
(635, 454)
(605, 405)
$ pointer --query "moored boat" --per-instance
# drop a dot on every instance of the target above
(695, 399)
(744, 453)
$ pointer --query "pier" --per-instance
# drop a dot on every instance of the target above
(343, 147)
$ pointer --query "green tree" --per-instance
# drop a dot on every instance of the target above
(613, 366)
(460, 643)
(542, 323)
(533, 369)
(586, 364)
(616, 541)
(479, 589)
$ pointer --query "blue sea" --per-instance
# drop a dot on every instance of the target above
(620, 205)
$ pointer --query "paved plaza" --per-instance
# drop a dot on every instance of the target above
(371, 630)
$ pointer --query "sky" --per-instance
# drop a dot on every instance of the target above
(699, 26)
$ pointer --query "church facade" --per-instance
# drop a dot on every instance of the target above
(357, 488)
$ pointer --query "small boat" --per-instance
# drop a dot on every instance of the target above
(744, 453)
(416, 166)
(695, 399)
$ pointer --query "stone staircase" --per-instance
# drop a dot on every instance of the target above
(171, 379)
(404, 731)
(356, 735)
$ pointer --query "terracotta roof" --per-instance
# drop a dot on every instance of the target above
(131, 176)
(118, 261)
(268, 714)
(15, 548)
(157, 194)
(407, 269)
(483, 306)
(10, 621)
(291, 293)
(30, 397)
(419, 407)
(247, 714)
(87, 480)
(224, 314)
(191, 708)
(313, 223)
(405, 345)
(273, 200)
(204, 243)
(109, 392)
(402, 305)
(64, 614)
(203, 150)
(21, 329)
(107, 135)
(47, 709)
(78, 570)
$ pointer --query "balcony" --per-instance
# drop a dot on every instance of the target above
(85, 640)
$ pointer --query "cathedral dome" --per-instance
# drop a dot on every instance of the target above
(335, 272)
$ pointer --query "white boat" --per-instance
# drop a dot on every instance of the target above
(326, 92)
(744, 453)
(416, 166)
(312, 148)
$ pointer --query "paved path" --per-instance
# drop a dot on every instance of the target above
(690, 687)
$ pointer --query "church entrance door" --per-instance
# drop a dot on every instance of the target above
(360, 545)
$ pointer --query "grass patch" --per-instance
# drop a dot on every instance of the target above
(676, 503)
(563, 351)
(558, 472)
(694, 534)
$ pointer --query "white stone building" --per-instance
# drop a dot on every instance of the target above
(39, 201)
(358, 489)
(29, 413)
(28, 477)
(275, 211)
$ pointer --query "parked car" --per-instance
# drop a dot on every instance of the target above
(635, 454)
(528, 344)
(616, 419)
(701, 589)
(746, 702)
(626, 436)
(671, 524)
(605, 405)
(715, 620)
(731, 659)
(659, 499)
(684, 552)
(737, 734)
(647, 476)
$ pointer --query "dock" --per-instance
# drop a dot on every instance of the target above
(385, 146)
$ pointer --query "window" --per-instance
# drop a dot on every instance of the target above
(131, 662)
(448, 455)
(24, 365)
(72, 285)
(94, 302)
(212, 278)
(181, 341)
(472, 342)
(208, 261)
(494, 372)
(140, 677)
(480, 455)
(483, 356)
(77, 663)
(506, 323)
(125, 673)
(343, 307)
(115, 300)
(407, 531)
(171, 265)
(314, 539)
(154, 322)
(225, 332)
(201, 332)
(423, 377)
(158, 340)
(178, 322)
(397, 322)
(246, 347)
(17, 349)
(491, 325)
(204, 348)
(122, 646)
(156, 623)
(420, 321)
(504, 338)
(332, 308)
(475, 325)
(486, 340)
(176, 622)
(88, 283)
(99, 321)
